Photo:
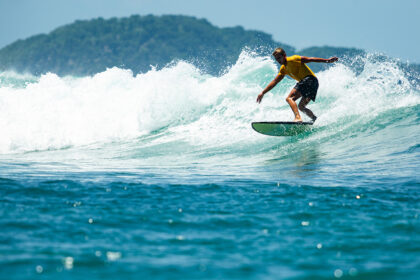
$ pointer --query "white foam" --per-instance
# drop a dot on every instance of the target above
(56, 112)
(379, 87)
(53, 113)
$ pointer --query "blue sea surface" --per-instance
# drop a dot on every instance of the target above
(122, 176)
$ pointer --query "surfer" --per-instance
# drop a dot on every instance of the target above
(307, 85)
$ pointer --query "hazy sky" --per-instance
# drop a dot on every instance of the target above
(388, 26)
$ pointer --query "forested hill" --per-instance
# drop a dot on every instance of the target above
(137, 43)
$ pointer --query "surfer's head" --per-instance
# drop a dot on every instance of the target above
(280, 55)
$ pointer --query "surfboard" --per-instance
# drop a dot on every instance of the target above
(281, 128)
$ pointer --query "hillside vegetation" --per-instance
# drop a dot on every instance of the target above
(141, 42)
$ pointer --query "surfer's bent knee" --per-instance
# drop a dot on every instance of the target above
(301, 107)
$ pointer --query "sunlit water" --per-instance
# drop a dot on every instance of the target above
(160, 176)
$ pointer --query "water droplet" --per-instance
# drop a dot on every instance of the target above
(338, 273)
(353, 271)
(98, 253)
(265, 231)
(39, 269)
(68, 262)
(357, 196)
(77, 203)
(305, 223)
(170, 221)
(180, 237)
(180, 210)
(319, 246)
(113, 256)
(90, 221)
(311, 204)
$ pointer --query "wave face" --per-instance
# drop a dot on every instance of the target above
(179, 103)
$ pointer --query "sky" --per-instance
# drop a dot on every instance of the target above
(386, 26)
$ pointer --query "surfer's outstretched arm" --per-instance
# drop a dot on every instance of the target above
(272, 84)
(305, 59)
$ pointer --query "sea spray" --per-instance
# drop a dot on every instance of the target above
(51, 112)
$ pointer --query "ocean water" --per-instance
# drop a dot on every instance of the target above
(160, 175)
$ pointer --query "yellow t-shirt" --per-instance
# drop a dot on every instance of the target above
(295, 68)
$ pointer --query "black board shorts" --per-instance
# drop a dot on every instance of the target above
(308, 87)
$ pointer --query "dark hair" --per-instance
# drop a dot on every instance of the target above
(279, 51)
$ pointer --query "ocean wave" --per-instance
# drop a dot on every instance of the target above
(52, 112)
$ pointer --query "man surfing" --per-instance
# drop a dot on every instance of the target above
(307, 85)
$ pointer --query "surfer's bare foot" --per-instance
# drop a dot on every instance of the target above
(297, 120)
